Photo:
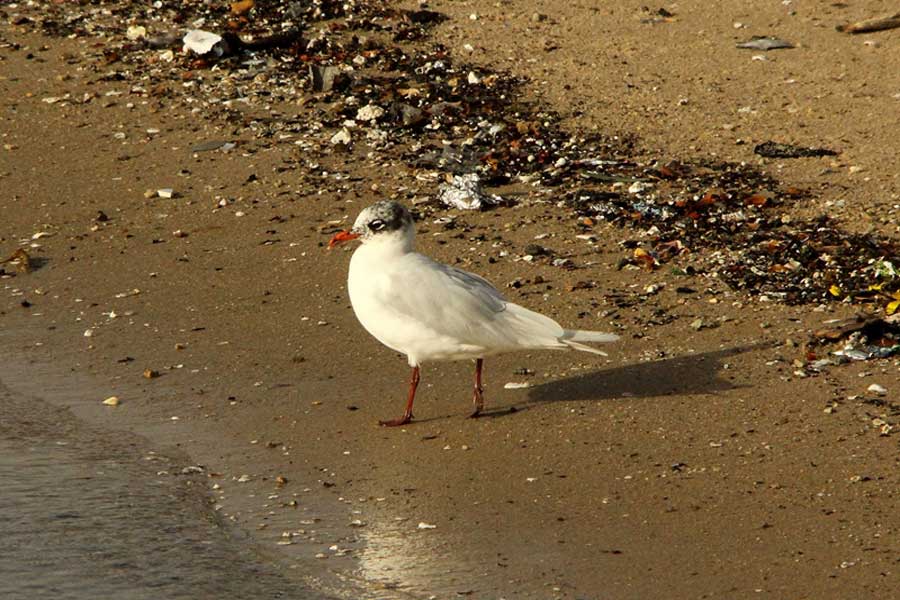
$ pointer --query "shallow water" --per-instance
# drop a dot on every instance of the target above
(88, 513)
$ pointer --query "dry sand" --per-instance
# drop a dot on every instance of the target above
(690, 464)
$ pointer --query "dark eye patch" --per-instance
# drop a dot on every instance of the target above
(376, 225)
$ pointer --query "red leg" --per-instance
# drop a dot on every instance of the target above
(478, 397)
(407, 416)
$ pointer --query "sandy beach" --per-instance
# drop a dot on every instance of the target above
(706, 457)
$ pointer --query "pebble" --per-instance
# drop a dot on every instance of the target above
(639, 187)
(877, 389)
(424, 525)
(342, 137)
(165, 193)
(136, 32)
(112, 401)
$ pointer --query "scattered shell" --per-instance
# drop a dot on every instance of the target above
(203, 42)
(212, 145)
(464, 192)
(765, 43)
(424, 525)
(516, 385)
(370, 112)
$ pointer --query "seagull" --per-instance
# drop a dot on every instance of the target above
(430, 311)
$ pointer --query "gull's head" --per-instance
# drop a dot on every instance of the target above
(383, 222)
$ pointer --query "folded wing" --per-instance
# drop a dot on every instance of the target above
(464, 307)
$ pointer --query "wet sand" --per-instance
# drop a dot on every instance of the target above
(90, 512)
(692, 462)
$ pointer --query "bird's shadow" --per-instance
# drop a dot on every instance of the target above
(684, 375)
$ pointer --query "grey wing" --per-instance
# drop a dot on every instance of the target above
(464, 307)
(477, 286)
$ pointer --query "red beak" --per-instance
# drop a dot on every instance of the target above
(341, 237)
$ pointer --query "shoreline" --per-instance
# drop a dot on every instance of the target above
(95, 510)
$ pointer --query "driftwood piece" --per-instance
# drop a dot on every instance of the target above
(877, 24)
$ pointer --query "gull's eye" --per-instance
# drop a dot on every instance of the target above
(376, 225)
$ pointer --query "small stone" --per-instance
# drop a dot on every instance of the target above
(112, 401)
(136, 32)
(165, 193)
(150, 374)
(877, 389)
(639, 187)
(323, 78)
(424, 525)
(342, 137)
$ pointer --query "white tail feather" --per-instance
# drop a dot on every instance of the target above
(583, 348)
(571, 338)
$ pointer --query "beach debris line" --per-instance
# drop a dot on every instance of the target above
(443, 123)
